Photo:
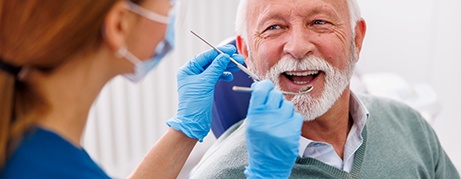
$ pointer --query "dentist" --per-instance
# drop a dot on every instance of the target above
(56, 56)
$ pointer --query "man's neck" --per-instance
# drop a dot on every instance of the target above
(332, 127)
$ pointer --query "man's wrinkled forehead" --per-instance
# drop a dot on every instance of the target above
(261, 8)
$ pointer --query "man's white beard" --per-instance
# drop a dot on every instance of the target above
(335, 83)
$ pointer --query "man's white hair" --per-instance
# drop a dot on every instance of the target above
(241, 19)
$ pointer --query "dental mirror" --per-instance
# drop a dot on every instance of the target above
(303, 90)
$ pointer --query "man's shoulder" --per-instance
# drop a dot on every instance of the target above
(226, 158)
(380, 107)
(371, 101)
(389, 118)
(393, 126)
(389, 115)
(235, 129)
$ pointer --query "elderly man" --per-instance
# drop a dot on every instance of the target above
(317, 42)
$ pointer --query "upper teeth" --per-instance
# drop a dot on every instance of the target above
(305, 73)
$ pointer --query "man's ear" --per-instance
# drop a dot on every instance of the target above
(242, 47)
(115, 26)
(360, 30)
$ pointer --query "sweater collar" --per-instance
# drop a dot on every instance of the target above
(359, 115)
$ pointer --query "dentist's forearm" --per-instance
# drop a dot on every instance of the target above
(167, 157)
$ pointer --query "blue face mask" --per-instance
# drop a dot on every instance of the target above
(142, 68)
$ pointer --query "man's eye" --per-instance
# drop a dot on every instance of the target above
(321, 26)
(272, 31)
(273, 27)
(319, 22)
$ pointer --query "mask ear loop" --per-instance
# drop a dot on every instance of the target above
(123, 52)
(147, 14)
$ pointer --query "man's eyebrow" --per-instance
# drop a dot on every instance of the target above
(262, 20)
(271, 15)
(327, 10)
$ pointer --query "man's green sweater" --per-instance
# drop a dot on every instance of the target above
(398, 143)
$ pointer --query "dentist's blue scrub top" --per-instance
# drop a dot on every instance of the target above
(44, 154)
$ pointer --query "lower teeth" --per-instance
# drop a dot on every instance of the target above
(300, 82)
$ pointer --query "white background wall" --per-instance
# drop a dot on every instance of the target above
(416, 39)
(420, 40)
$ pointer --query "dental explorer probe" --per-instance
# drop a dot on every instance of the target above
(240, 66)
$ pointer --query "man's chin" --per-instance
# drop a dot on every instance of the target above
(308, 120)
(311, 108)
(309, 117)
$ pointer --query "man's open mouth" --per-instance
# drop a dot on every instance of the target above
(301, 77)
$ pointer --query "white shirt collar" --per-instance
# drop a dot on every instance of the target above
(359, 115)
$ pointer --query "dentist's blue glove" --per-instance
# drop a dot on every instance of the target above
(196, 82)
(273, 130)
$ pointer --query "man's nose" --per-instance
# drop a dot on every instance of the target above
(298, 44)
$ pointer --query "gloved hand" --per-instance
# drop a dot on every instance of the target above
(196, 82)
(273, 131)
